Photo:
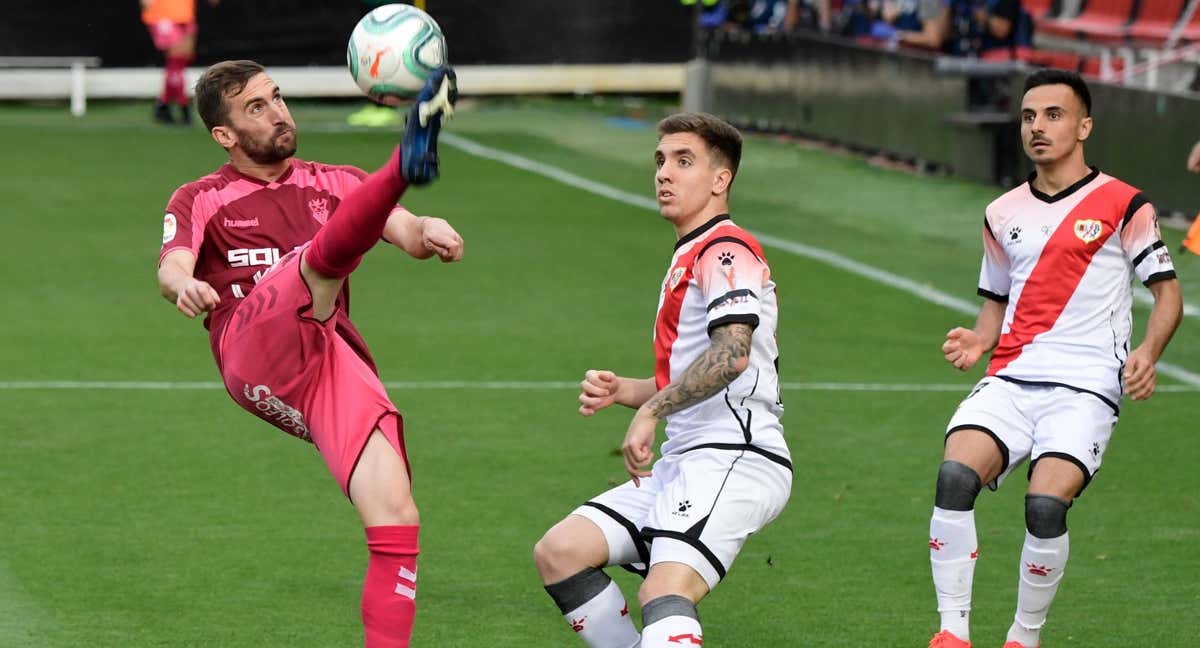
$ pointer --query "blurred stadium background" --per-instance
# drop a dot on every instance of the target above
(138, 507)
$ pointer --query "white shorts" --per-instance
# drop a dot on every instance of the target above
(696, 508)
(1038, 421)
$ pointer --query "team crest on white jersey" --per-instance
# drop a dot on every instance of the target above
(676, 275)
(1088, 230)
(169, 227)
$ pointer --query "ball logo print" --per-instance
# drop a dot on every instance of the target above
(393, 50)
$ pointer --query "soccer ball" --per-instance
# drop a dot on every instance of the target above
(393, 50)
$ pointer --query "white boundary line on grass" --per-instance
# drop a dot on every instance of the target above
(829, 257)
(489, 385)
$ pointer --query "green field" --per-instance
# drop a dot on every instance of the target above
(135, 517)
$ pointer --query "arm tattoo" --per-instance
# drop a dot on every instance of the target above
(709, 374)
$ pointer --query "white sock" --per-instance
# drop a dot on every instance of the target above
(952, 553)
(597, 610)
(604, 621)
(1043, 561)
(671, 622)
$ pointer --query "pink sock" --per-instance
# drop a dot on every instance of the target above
(357, 223)
(390, 589)
(173, 91)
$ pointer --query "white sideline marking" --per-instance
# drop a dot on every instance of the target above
(927, 293)
(516, 385)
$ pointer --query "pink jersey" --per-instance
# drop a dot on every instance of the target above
(719, 275)
(1064, 265)
(238, 226)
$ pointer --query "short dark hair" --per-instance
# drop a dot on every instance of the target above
(222, 80)
(1053, 77)
(721, 138)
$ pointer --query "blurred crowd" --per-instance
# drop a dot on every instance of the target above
(954, 27)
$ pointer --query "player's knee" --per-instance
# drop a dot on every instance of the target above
(556, 553)
(957, 486)
(682, 583)
(1046, 515)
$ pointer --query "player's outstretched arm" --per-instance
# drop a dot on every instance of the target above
(964, 347)
(601, 388)
(1193, 161)
(177, 285)
(1140, 375)
(423, 236)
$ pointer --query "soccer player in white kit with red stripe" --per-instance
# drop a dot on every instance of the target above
(725, 472)
(1060, 253)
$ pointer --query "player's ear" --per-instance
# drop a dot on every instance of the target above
(1085, 128)
(721, 181)
(224, 136)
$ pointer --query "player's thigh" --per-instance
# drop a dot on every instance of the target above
(621, 512)
(1070, 439)
(379, 485)
(990, 431)
(718, 499)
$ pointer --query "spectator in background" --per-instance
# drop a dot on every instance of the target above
(884, 20)
(172, 26)
(969, 27)
(766, 16)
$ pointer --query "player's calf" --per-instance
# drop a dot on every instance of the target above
(671, 621)
(1043, 561)
(592, 604)
(953, 547)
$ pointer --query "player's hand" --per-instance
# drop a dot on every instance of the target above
(440, 238)
(1140, 375)
(597, 390)
(196, 297)
(962, 348)
(638, 446)
(1193, 163)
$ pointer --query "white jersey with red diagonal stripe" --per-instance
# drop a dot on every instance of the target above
(1065, 264)
(718, 276)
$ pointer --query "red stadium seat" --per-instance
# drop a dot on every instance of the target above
(1103, 20)
(1155, 20)
(1091, 65)
(1038, 8)
(1191, 31)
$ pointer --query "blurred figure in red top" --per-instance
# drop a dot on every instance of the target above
(172, 26)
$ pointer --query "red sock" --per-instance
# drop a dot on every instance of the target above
(390, 590)
(357, 223)
(173, 91)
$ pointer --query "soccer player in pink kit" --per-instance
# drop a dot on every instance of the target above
(1060, 253)
(264, 246)
(725, 471)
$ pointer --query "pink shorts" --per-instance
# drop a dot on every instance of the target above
(167, 34)
(300, 375)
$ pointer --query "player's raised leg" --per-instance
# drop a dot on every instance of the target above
(382, 495)
(569, 558)
(972, 458)
(358, 223)
(1052, 487)
(668, 598)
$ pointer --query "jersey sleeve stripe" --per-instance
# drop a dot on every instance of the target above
(1159, 276)
(736, 318)
(1137, 202)
(1003, 299)
(742, 292)
(728, 239)
(1137, 260)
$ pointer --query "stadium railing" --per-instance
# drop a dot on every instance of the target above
(25, 77)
